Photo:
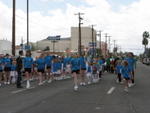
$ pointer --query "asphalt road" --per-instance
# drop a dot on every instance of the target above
(58, 97)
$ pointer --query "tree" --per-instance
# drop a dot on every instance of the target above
(47, 48)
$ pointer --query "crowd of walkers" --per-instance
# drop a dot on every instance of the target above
(48, 68)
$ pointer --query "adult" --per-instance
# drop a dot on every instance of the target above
(19, 69)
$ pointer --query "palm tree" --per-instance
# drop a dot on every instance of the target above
(145, 42)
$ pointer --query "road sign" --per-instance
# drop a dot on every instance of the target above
(92, 44)
(27, 47)
(57, 37)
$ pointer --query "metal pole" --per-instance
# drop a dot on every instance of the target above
(14, 28)
(27, 22)
(92, 42)
(106, 35)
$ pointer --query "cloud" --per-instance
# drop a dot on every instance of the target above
(126, 25)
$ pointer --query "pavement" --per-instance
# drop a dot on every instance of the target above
(107, 96)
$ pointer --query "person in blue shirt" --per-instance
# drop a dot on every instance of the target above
(28, 65)
(48, 60)
(56, 68)
(89, 72)
(75, 68)
(7, 68)
(118, 69)
(100, 63)
(40, 62)
(82, 69)
(126, 73)
(131, 63)
(13, 73)
(1, 69)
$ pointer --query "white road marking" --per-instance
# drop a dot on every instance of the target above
(21, 90)
(110, 90)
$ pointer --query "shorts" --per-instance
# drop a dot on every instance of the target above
(41, 70)
(83, 68)
(76, 71)
(48, 67)
(27, 70)
(126, 78)
(7, 69)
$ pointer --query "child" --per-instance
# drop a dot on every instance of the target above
(89, 72)
(118, 71)
(126, 72)
(95, 71)
(13, 72)
(1, 69)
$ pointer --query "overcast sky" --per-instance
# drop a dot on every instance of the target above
(124, 20)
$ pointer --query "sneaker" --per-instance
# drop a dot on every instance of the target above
(89, 83)
(130, 84)
(8, 83)
(81, 83)
(41, 83)
(28, 84)
(126, 90)
(49, 81)
(84, 84)
(75, 87)
(117, 81)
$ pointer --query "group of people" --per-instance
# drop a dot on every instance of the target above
(46, 67)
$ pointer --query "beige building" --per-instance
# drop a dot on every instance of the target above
(86, 37)
(59, 46)
(69, 42)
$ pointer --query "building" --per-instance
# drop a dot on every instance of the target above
(86, 37)
(5, 47)
(59, 46)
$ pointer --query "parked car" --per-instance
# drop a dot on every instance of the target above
(146, 61)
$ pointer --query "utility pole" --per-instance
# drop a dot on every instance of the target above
(114, 46)
(93, 42)
(109, 44)
(14, 28)
(79, 40)
(100, 40)
(106, 35)
(27, 22)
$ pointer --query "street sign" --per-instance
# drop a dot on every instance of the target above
(27, 47)
(57, 37)
(92, 44)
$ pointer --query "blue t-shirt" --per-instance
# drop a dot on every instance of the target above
(66, 61)
(1, 64)
(48, 60)
(40, 63)
(125, 71)
(13, 67)
(89, 69)
(7, 62)
(28, 62)
(131, 63)
(56, 66)
(82, 62)
(118, 68)
(75, 64)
